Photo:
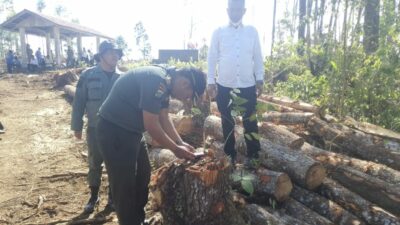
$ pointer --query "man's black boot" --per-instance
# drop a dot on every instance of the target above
(93, 201)
(110, 202)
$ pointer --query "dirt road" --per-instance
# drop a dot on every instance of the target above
(42, 167)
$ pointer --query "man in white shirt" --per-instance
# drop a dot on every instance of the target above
(235, 53)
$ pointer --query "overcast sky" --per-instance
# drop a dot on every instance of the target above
(167, 21)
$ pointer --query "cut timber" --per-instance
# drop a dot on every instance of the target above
(195, 193)
(370, 213)
(70, 90)
(334, 159)
(301, 212)
(376, 191)
(275, 107)
(302, 169)
(288, 220)
(325, 207)
(257, 215)
(214, 109)
(66, 78)
(160, 157)
(281, 136)
(150, 141)
(372, 129)
(266, 183)
(293, 104)
(288, 118)
(354, 144)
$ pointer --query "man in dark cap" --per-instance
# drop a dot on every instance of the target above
(93, 87)
(139, 102)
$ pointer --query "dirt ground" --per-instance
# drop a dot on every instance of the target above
(42, 166)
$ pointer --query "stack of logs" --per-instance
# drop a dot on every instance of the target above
(312, 169)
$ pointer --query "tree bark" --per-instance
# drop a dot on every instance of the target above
(195, 193)
(277, 107)
(273, 29)
(302, 26)
(371, 26)
(301, 212)
(257, 215)
(376, 191)
(293, 104)
(70, 90)
(183, 124)
(325, 207)
(370, 213)
(175, 106)
(288, 118)
(67, 78)
(372, 129)
(353, 144)
(281, 136)
(266, 183)
(335, 159)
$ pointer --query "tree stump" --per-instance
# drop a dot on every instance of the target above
(195, 193)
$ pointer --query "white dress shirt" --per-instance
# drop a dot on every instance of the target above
(235, 56)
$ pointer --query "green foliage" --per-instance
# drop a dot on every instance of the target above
(246, 180)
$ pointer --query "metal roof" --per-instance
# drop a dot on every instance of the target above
(40, 24)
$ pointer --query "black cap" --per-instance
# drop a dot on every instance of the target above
(105, 46)
(196, 77)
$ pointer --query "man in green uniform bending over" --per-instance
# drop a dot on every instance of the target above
(93, 87)
(139, 102)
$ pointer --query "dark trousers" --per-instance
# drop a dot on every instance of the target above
(128, 169)
(228, 123)
(9, 67)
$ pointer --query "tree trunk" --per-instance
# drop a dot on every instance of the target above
(288, 118)
(68, 78)
(293, 104)
(273, 29)
(183, 124)
(370, 213)
(276, 107)
(371, 26)
(301, 212)
(335, 159)
(325, 207)
(281, 136)
(372, 129)
(195, 194)
(302, 26)
(376, 191)
(257, 215)
(266, 183)
(175, 106)
(214, 109)
(302, 169)
(353, 144)
(70, 90)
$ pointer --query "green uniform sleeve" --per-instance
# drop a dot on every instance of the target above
(79, 104)
(153, 95)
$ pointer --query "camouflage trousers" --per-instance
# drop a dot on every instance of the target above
(94, 157)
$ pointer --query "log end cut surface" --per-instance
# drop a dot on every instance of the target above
(315, 176)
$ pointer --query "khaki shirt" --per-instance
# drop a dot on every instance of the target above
(91, 91)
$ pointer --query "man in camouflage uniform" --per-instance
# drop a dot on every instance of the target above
(93, 87)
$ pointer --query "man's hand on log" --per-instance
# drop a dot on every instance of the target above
(184, 152)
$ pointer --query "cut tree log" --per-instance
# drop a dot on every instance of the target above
(300, 168)
(301, 212)
(292, 104)
(284, 217)
(354, 144)
(275, 107)
(334, 159)
(266, 183)
(183, 124)
(257, 215)
(376, 191)
(372, 129)
(175, 106)
(160, 157)
(70, 90)
(195, 193)
(325, 207)
(281, 136)
(287, 118)
(214, 109)
(370, 213)
(67, 78)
